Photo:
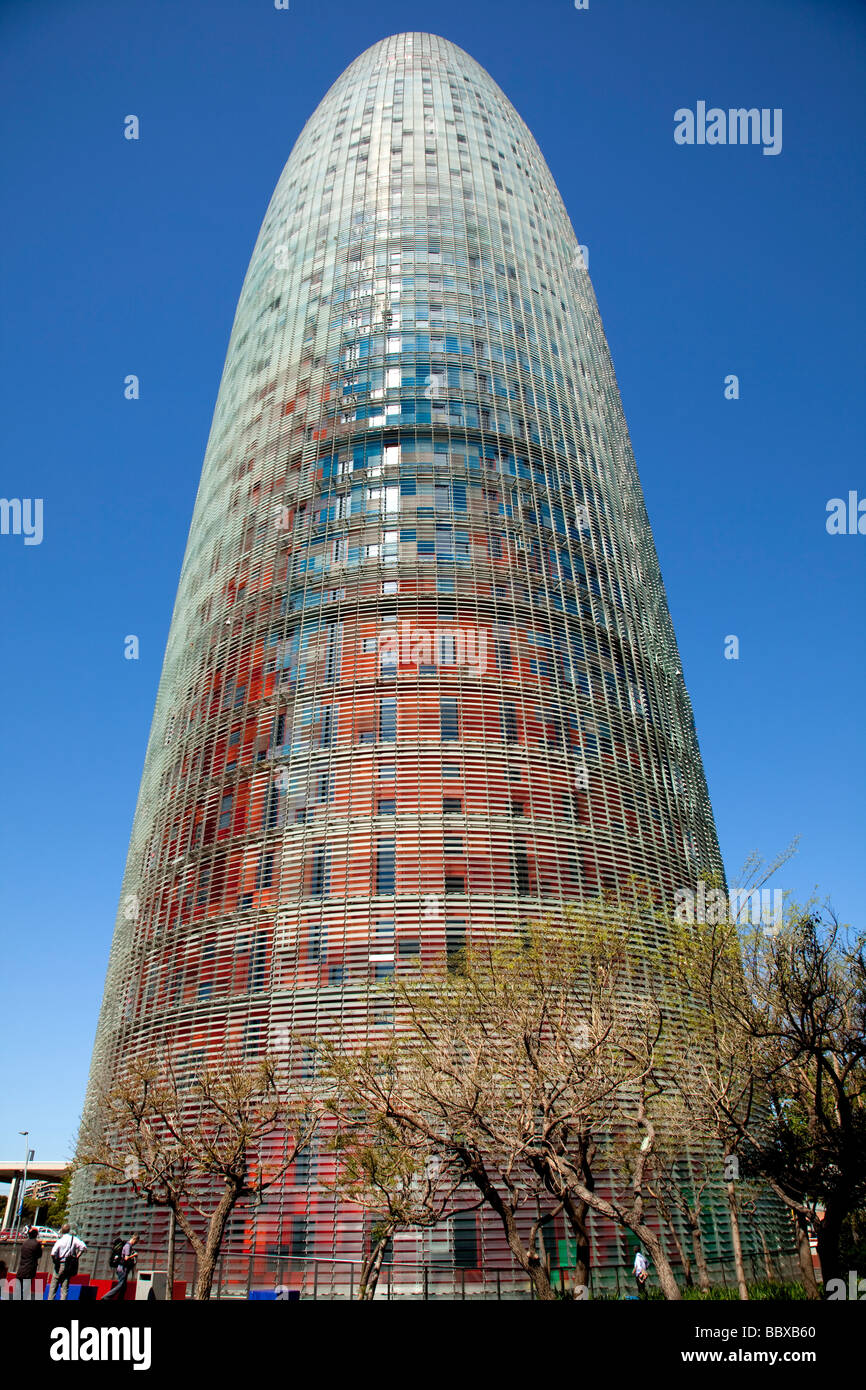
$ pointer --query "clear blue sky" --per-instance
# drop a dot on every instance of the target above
(128, 257)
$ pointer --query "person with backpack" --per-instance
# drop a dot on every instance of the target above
(65, 1252)
(123, 1258)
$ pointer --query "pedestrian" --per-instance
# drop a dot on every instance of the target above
(65, 1252)
(641, 1272)
(123, 1261)
(28, 1258)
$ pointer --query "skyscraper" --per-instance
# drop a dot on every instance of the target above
(421, 680)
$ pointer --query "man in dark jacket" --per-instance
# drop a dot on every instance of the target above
(29, 1255)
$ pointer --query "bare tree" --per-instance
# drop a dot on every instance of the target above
(403, 1184)
(515, 1067)
(428, 1092)
(717, 1083)
(196, 1144)
(679, 1176)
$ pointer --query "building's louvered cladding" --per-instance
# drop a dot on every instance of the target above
(418, 433)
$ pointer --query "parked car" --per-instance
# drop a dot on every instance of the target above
(47, 1233)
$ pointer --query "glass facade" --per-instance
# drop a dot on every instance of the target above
(421, 680)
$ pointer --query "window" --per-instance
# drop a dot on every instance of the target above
(257, 962)
(302, 1168)
(386, 806)
(449, 720)
(320, 872)
(253, 1038)
(389, 587)
(521, 870)
(271, 813)
(453, 844)
(299, 1237)
(455, 941)
(451, 804)
(517, 808)
(388, 719)
(447, 649)
(265, 874)
(386, 868)
(509, 721)
(203, 880)
(455, 883)
(328, 725)
(225, 819)
(465, 1240)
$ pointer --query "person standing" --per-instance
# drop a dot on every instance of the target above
(123, 1266)
(641, 1272)
(28, 1259)
(65, 1252)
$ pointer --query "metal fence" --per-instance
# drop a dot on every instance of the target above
(240, 1277)
(237, 1277)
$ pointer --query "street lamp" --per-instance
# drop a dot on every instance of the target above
(28, 1154)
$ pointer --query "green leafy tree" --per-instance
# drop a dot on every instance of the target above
(805, 1009)
(58, 1211)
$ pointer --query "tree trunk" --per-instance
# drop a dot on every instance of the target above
(172, 1224)
(213, 1242)
(686, 1263)
(576, 1213)
(539, 1277)
(698, 1247)
(667, 1278)
(683, 1254)
(769, 1268)
(370, 1271)
(804, 1256)
(737, 1243)
(527, 1259)
(829, 1231)
(194, 1239)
